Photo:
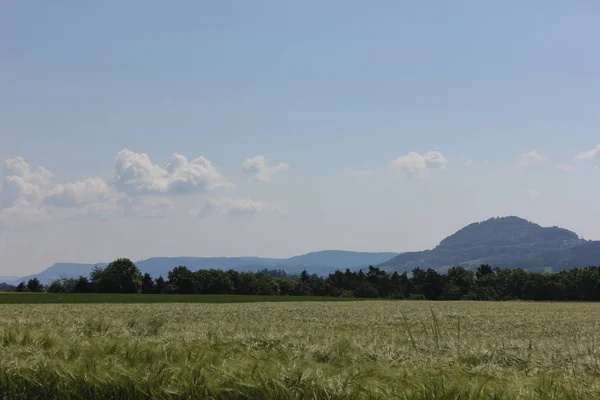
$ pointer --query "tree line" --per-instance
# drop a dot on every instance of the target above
(458, 283)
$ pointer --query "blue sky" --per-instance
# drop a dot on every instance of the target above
(378, 127)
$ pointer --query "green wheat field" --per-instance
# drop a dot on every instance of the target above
(301, 350)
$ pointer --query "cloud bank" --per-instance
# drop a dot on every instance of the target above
(139, 188)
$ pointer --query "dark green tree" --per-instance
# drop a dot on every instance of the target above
(160, 286)
(83, 285)
(147, 284)
(304, 277)
(120, 276)
(182, 280)
(484, 270)
(460, 282)
(34, 285)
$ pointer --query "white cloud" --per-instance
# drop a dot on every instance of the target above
(416, 165)
(19, 167)
(87, 191)
(22, 194)
(532, 157)
(533, 192)
(88, 198)
(28, 198)
(229, 206)
(589, 155)
(564, 167)
(359, 172)
(136, 174)
(21, 185)
(468, 162)
(18, 191)
(263, 172)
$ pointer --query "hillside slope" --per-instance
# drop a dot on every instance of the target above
(503, 242)
(321, 262)
(60, 270)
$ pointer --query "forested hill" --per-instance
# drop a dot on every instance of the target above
(320, 263)
(506, 242)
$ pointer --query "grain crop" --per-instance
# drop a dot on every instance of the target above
(301, 350)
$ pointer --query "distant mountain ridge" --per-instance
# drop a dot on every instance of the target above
(321, 262)
(60, 270)
(505, 242)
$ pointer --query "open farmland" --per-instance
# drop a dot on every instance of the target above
(335, 350)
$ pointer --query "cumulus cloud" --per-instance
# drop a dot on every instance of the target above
(229, 206)
(87, 191)
(589, 155)
(22, 186)
(416, 165)
(29, 198)
(90, 199)
(19, 167)
(533, 192)
(22, 194)
(136, 174)
(140, 188)
(262, 170)
(532, 157)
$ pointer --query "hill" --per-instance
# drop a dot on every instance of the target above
(321, 262)
(60, 270)
(5, 287)
(336, 258)
(504, 242)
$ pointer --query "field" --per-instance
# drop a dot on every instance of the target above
(301, 350)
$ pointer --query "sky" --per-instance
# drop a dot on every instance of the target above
(273, 128)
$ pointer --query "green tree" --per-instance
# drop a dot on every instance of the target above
(56, 286)
(62, 285)
(120, 276)
(34, 285)
(147, 284)
(304, 276)
(367, 290)
(83, 285)
(484, 270)
(181, 279)
(434, 284)
(20, 287)
(160, 286)
(401, 284)
(460, 282)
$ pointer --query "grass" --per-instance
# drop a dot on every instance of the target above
(301, 350)
(90, 298)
